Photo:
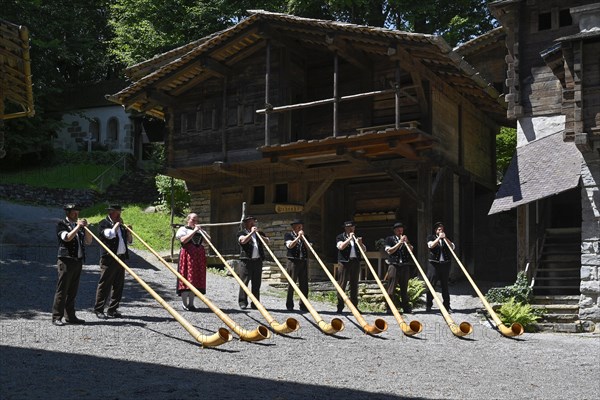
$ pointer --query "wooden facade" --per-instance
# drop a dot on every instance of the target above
(326, 121)
(553, 80)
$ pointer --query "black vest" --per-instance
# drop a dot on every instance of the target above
(441, 248)
(401, 255)
(246, 248)
(112, 244)
(344, 255)
(70, 249)
(300, 251)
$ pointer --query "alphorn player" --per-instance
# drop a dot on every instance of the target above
(252, 254)
(72, 240)
(348, 262)
(112, 276)
(297, 262)
(399, 265)
(439, 264)
(192, 260)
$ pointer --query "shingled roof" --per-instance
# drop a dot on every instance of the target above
(542, 168)
(171, 73)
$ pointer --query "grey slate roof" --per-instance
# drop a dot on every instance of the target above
(540, 169)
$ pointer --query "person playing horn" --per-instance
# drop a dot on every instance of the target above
(297, 262)
(72, 240)
(192, 260)
(439, 264)
(348, 262)
(399, 265)
(252, 254)
(112, 276)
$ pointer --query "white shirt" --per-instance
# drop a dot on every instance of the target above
(111, 234)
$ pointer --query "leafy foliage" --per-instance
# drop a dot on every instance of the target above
(520, 291)
(515, 311)
(416, 288)
(181, 196)
(506, 143)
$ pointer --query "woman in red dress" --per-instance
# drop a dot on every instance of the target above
(192, 261)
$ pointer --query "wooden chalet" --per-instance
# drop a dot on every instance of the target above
(16, 94)
(328, 121)
(553, 82)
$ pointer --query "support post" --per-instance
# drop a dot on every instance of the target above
(267, 89)
(424, 211)
(397, 95)
(336, 99)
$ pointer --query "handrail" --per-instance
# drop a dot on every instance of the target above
(122, 158)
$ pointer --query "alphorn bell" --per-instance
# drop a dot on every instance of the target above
(336, 324)
(380, 324)
(216, 339)
(515, 329)
(291, 324)
(458, 330)
(255, 335)
(410, 329)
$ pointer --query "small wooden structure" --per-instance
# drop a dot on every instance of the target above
(327, 121)
(15, 75)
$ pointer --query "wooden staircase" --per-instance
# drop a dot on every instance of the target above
(558, 271)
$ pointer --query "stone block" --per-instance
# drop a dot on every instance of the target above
(590, 176)
(590, 314)
(590, 259)
(588, 273)
(586, 301)
(591, 288)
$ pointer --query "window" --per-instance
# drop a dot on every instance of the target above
(113, 130)
(94, 129)
(258, 195)
(564, 18)
(281, 193)
(544, 21)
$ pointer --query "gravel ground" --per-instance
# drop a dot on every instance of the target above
(148, 355)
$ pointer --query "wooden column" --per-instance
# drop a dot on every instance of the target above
(267, 88)
(224, 120)
(424, 222)
(336, 99)
(397, 95)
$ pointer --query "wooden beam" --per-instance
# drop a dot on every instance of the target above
(216, 67)
(409, 189)
(437, 179)
(346, 51)
(312, 201)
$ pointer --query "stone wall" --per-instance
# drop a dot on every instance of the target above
(47, 196)
(589, 302)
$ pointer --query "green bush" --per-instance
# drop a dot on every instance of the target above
(520, 291)
(513, 311)
(416, 288)
(181, 196)
(62, 157)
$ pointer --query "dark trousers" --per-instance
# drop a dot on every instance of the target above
(298, 270)
(399, 274)
(348, 272)
(69, 272)
(250, 271)
(439, 272)
(112, 280)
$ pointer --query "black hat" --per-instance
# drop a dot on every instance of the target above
(348, 223)
(438, 224)
(248, 218)
(115, 207)
(71, 206)
(297, 222)
(398, 225)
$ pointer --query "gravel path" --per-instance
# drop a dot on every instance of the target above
(148, 355)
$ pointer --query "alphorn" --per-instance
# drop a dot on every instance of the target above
(464, 328)
(336, 324)
(409, 329)
(291, 324)
(515, 329)
(380, 324)
(255, 335)
(216, 339)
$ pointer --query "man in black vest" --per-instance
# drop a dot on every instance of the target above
(348, 262)
(399, 267)
(439, 264)
(112, 276)
(72, 240)
(252, 255)
(297, 262)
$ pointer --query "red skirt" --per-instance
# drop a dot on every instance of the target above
(192, 265)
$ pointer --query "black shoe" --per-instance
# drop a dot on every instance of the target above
(57, 322)
(290, 308)
(100, 315)
(114, 314)
(75, 321)
(303, 308)
(253, 306)
(449, 309)
(407, 310)
(340, 309)
(428, 310)
(192, 308)
(243, 306)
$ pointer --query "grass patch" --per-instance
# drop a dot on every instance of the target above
(153, 228)
(74, 176)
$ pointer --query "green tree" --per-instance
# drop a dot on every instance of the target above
(506, 143)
